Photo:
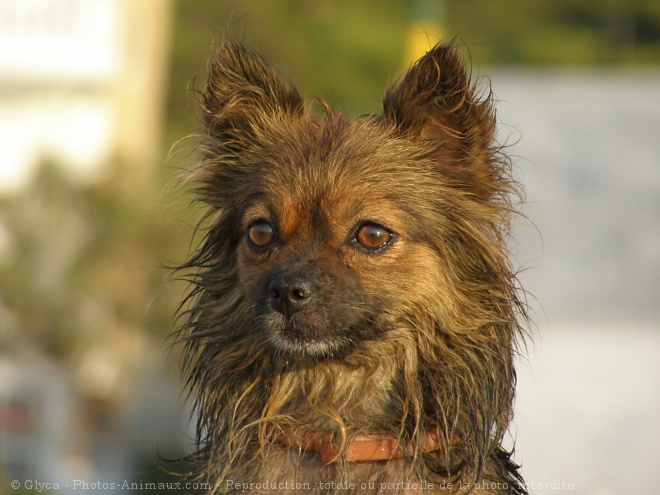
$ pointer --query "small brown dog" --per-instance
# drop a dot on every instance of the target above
(354, 316)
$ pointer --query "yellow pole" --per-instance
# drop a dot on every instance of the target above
(425, 28)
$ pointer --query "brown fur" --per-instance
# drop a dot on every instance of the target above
(421, 334)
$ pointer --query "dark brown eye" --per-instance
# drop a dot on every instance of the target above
(260, 234)
(373, 236)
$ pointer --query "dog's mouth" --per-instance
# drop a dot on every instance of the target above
(313, 335)
(310, 336)
(311, 349)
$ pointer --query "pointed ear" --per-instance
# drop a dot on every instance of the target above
(435, 102)
(242, 94)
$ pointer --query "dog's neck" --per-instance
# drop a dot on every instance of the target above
(362, 447)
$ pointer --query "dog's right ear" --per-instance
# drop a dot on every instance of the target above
(242, 94)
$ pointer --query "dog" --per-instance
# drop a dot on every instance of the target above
(353, 314)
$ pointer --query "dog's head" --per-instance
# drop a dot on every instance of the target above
(339, 230)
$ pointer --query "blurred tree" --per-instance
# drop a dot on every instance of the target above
(563, 32)
(79, 272)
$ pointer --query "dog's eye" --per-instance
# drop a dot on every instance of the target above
(260, 234)
(373, 236)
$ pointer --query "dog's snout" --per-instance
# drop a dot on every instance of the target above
(288, 294)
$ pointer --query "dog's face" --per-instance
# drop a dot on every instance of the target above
(308, 273)
(327, 249)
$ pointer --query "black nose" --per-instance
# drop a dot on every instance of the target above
(288, 294)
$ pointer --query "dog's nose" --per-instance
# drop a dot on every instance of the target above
(288, 294)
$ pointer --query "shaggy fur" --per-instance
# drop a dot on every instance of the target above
(418, 334)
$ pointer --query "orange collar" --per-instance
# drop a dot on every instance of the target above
(362, 447)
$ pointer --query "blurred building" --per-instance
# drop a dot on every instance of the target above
(37, 418)
(586, 147)
(81, 83)
(47, 433)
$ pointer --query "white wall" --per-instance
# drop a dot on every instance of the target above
(588, 408)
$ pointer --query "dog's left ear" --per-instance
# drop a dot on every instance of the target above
(435, 102)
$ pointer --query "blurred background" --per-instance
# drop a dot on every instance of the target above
(97, 122)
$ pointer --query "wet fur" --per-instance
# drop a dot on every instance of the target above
(433, 319)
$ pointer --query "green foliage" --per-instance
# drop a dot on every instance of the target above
(559, 32)
(82, 263)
